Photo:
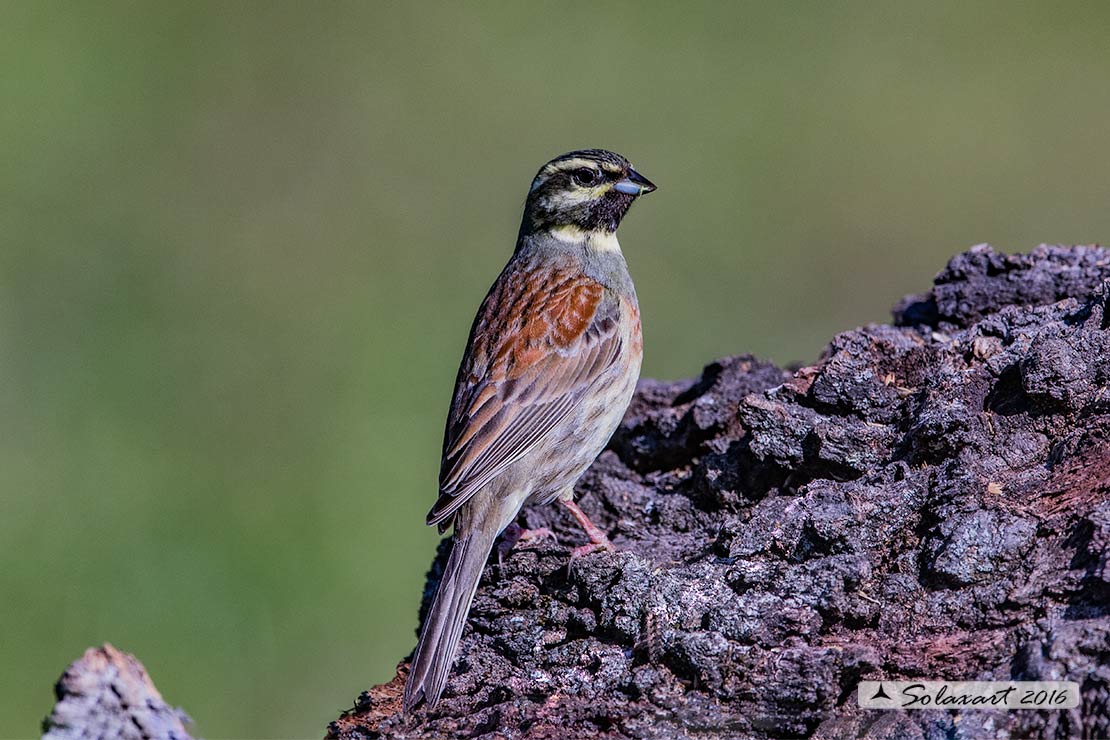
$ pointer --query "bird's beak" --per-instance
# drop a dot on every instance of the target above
(634, 184)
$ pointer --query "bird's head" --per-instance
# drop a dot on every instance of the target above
(582, 192)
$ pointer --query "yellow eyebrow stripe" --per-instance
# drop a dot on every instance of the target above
(571, 164)
(578, 163)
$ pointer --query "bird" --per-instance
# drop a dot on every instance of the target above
(549, 369)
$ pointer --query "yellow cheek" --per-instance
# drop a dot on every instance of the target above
(600, 190)
(578, 196)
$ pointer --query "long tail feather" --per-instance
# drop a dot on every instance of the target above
(443, 627)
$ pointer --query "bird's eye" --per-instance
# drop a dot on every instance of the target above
(586, 177)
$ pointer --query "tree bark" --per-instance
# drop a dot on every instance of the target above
(108, 694)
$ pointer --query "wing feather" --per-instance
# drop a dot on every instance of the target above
(541, 339)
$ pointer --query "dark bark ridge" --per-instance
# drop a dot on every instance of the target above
(930, 500)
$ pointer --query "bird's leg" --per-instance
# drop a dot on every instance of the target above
(598, 539)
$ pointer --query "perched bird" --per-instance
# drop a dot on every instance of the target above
(548, 372)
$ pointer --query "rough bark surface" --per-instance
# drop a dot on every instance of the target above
(108, 694)
(930, 500)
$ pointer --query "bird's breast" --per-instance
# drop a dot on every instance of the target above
(633, 331)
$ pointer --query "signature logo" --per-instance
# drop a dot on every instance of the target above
(968, 694)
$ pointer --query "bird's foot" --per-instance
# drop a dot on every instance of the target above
(589, 549)
(514, 534)
(599, 541)
(527, 535)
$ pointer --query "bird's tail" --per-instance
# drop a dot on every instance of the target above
(435, 652)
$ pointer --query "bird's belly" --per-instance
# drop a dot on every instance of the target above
(574, 445)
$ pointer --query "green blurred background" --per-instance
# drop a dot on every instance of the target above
(242, 245)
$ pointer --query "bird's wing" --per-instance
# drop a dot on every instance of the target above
(540, 340)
